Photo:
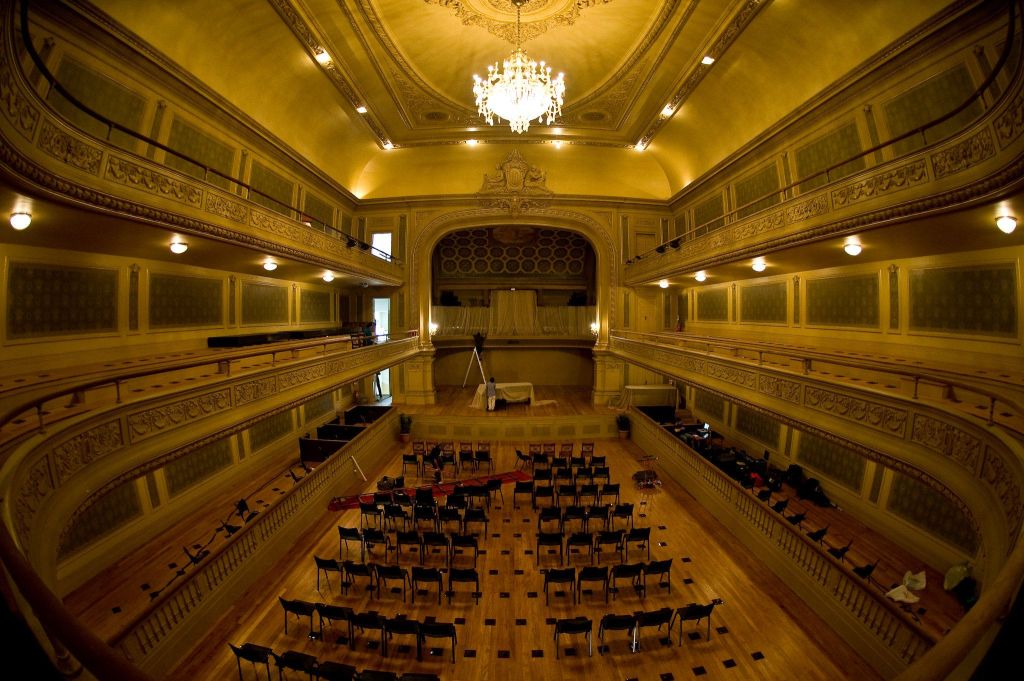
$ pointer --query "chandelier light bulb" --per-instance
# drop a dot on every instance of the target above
(328, 276)
(178, 247)
(520, 90)
(1005, 223)
(758, 265)
(701, 276)
(269, 265)
(663, 283)
(852, 248)
(20, 221)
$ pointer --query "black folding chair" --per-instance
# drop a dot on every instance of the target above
(294, 660)
(654, 618)
(370, 620)
(631, 571)
(574, 626)
(404, 626)
(560, 576)
(429, 576)
(695, 613)
(254, 654)
(327, 566)
(641, 536)
(662, 569)
(612, 622)
(592, 573)
(549, 539)
(300, 609)
(334, 613)
(439, 630)
(389, 573)
(465, 576)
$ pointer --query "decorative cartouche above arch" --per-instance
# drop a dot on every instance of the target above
(516, 187)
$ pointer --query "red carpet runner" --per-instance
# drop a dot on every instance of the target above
(442, 489)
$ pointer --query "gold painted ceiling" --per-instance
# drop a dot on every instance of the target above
(411, 64)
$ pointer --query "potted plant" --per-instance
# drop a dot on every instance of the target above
(622, 421)
(404, 427)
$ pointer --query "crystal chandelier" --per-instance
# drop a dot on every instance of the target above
(521, 91)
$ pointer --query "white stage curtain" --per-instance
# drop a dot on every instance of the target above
(547, 321)
(513, 313)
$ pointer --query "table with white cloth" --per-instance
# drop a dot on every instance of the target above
(510, 392)
(646, 396)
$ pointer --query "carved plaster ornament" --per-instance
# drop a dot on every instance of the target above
(517, 186)
(497, 17)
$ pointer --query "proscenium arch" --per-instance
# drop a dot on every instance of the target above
(605, 254)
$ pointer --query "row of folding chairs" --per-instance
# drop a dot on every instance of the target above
(595, 543)
(607, 577)
(563, 449)
(536, 461)
(587, 516)
(327, 670)
(633, 623)
(371, 538)
(460, 462)
(560, 475)
(559, 495)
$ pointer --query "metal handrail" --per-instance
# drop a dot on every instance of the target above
(112, 125)
(676, 241)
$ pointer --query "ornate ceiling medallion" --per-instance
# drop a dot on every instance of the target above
(496, 16)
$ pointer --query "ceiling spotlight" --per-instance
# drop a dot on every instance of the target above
(323, 58)
(701, 276)
(558, 144)
(640, 146)
(471, 143)
(328, 276)
(708, 60)
(852, 247)
(361, 109)
(20, 221)
(1005, 223)
(667, 111)
(663, 283)
(758, 265)
(178, 246)
(388, 145)
(269, 265)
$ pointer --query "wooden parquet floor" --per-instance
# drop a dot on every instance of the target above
(762, 631)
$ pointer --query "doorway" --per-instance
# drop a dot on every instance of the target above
(382, 317)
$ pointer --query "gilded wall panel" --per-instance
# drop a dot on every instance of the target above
(948, 440)
(779, 387)
(275, 192)
(890, 181)
(998, 475)
(72, 455)
(38, 485)
(710, 404)
(979, 300)
(264, 303)
(54, 300)
(202, 147)
(103, 515)
(270, 429)
(152, 182)
(761, 427)
(832, 460)
(15, 107)
(101, 94)
(750, 190)
(963, 155)
(930, 510)
(713, 305)
(881, 417)
(318, 209)
(314, 306)
(843, 301)
(144, 424)
(196, 466)
(299, 376)
(763, 303)
(826, 151)
(176, 301)
(70, 150)
(928, 101)
(731, 374)
(318, 406)
(250, 391)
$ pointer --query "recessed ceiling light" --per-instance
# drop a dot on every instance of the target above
(557, 143)
(701, 276)
(269, 265)
(1005, 223)
(22, 220)
(178, 246)
(663, 283)
(852, 247)
(323, 58)
(388, 145)
(639, 146)
(328, 276)
(361, 109)
(471, 143)
(758, 265)
(708, 60)
(667, 111)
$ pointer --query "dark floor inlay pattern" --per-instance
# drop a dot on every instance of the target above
(490, 622)
(504, 654)
(469, 652)
(520, 622)
(758, 655)
(699, 671)
(667, 676)
(729, 664)
(722, 630)
(537, 653)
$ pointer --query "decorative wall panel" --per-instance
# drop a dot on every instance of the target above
(318, 406)
(764, 303)
(515, 250)
(204, 148)
(832, 460)
(713, 305)
(106, 514)
(980, 300)
(708, 215)
(264, 303)
(188, 470)
(53, 300)
(757, 185)
(176, 301)
(759, 426)
(278, 189)
(102, 95)
(317, 208)
(927, 508)
(843, 301)
(709, 404)
(314, 306)
(928, 101)
(270, 429)
(826, 151)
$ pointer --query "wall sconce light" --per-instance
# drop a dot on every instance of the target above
(328, 276)
(758, 265)
(269, 265)
(432, 327)
(852, 247)
(178, 246)
(1005, 223)
(20, 221)
(663, 283)
(701, 276)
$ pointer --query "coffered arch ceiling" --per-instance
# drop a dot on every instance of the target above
(411, 63)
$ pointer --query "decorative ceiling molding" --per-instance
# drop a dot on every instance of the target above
(497, 17)
(516, 187)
